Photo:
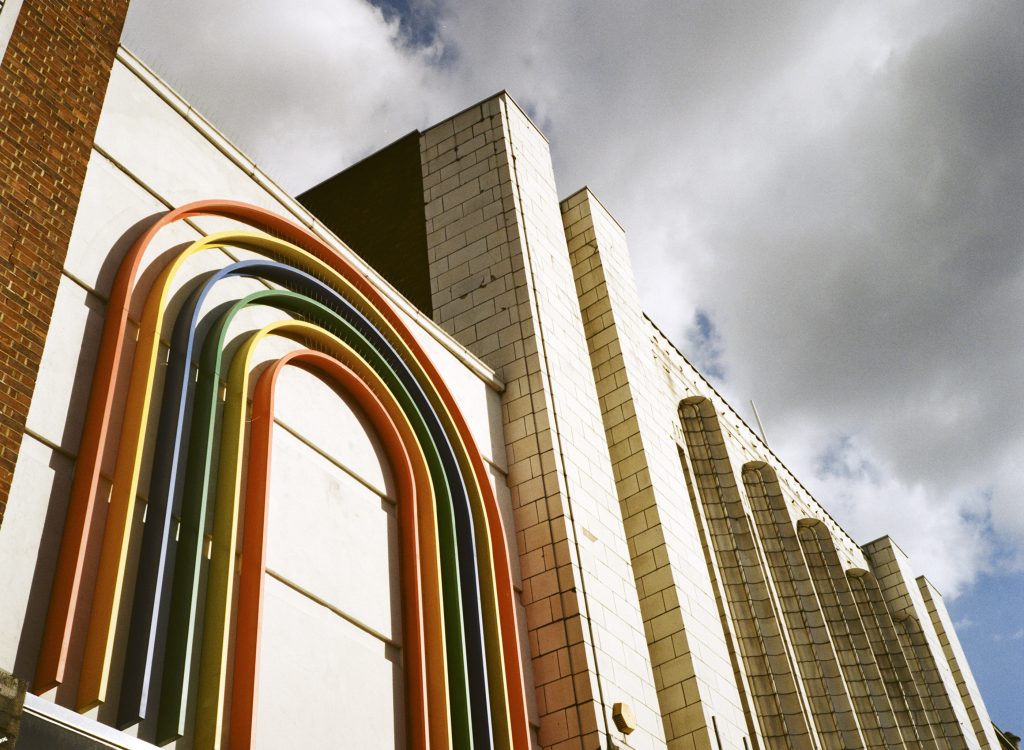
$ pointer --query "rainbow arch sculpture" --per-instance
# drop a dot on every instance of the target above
(464, 683)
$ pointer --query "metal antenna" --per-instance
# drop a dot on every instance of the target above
(760, 426)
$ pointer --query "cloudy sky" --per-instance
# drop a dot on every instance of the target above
(823, 201)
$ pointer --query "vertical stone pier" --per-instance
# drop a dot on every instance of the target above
(502, 284)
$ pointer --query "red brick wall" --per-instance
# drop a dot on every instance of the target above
(52, 82)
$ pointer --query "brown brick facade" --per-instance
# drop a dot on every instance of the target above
(52, 82)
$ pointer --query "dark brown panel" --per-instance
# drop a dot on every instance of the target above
(376, 208)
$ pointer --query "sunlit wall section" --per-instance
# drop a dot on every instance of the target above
(870, 699)
(899, 682)
(818, 666)
(954, 654)
(766, 659)
(935, 680)
(662, 533)
(502, 285)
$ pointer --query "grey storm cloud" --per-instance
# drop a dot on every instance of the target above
(823, 200)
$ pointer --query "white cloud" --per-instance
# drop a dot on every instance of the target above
(1016, 635)
(304, 87)
(946, 536)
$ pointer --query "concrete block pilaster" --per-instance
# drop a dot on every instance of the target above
(502, 284)
(669, 571)
(921, 644)
(957, 660)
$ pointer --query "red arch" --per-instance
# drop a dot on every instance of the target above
(411, 480)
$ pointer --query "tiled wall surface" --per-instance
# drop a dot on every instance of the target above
(672, 580)
(969, 693)
(762, 623)
(903, 673)
(503, 286)
(921, 644)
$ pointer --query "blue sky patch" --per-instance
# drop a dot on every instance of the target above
(418, 21)
(704, 345)
(989, 620)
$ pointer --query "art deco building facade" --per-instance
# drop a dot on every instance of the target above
(400, 463)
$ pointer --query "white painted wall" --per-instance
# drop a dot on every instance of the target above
(331, 647)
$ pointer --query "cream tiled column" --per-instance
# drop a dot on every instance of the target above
(954, 653)
(926, 675)
(835, 720)
(870, 700)
(766, 659)
(672, 580)
(935, 680)
(736, 664)
(502, 285)
(899, 681)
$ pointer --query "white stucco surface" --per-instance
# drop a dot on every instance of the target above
(332, 536)
(28, 549)
(333, 608)
(344, 696)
